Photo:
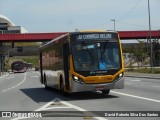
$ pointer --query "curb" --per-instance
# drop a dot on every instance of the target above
(149, 77)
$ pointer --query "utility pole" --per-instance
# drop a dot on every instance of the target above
(150, 37)
(114, 21)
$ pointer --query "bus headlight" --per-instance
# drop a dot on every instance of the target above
(119, 76)
(75, 77)
(78, 80)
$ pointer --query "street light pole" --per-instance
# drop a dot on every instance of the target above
(114, 23)
(151, 55)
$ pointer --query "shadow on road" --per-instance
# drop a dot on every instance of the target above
(39, 94)
(90, 95)
(42, 95)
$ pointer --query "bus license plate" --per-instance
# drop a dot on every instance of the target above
(99, 88)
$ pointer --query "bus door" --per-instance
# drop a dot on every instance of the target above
(66, 64)
(41, 69)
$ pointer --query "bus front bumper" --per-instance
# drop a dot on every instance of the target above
(77, 87)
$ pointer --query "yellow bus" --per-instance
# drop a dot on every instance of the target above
(83, 61)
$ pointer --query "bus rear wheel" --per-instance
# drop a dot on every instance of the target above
(45, 84)
(105, 92)
(62, 88)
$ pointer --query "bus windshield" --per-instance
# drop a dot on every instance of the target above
(97, 56)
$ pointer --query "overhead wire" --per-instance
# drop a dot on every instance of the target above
(130, 11)
(122, 18)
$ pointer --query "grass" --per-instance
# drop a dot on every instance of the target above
(33, 60)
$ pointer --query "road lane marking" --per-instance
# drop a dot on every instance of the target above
(4, 75)
(39, 109)
(134, 80)
(46, 107)
(134, 96)
(17, 84)
(77, 108)
(51, 108)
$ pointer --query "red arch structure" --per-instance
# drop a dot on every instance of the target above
(155, 34)
(42, 37)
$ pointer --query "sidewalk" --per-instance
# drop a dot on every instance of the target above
(142, 75)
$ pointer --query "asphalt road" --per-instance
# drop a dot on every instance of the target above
(22, 92)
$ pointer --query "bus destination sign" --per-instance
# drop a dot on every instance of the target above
(100, 36)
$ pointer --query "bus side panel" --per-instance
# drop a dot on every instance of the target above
(52, 64)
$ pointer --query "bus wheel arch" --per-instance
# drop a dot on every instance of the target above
(45, 82)
(44, 78)
(62, 86)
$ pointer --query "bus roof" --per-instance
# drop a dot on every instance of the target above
(52, 41)
(65, 35)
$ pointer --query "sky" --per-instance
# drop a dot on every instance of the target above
(67, 15)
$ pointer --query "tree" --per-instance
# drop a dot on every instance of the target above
(138, 52)
(156, 53)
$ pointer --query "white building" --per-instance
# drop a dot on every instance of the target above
(7, 26)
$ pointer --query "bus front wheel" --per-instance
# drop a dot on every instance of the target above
(105, 92)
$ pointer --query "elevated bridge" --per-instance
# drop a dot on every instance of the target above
(42, 37)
